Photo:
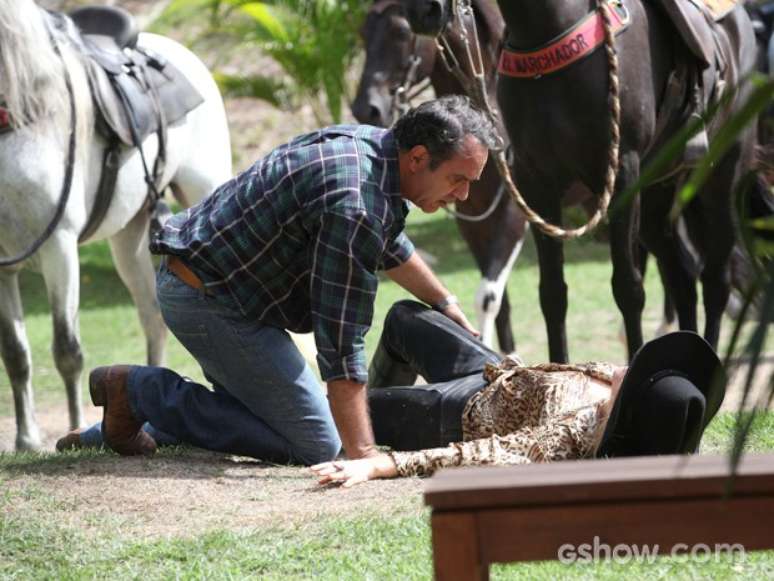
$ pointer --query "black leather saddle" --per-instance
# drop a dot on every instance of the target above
(136, 93)
(135, 90)
(107, 21)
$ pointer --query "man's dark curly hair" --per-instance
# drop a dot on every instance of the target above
(441, 126)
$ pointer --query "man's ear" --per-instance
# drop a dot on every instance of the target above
(418, 157)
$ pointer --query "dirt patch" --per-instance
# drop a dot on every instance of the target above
(187, 492)
(179, 491)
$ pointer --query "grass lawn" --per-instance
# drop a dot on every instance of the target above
(186, 514)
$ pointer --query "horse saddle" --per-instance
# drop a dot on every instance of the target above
(695, 22)
(136, 91)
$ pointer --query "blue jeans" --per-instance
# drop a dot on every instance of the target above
(266, 402)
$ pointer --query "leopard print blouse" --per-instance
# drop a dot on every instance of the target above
(541, 413)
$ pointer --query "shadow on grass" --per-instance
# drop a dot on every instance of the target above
(169, 462)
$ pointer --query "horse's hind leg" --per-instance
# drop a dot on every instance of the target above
(710, 223)
(624, 250)
(61, 271)
(133, 262)
(676, 263)
(669, 318)
(18, 363)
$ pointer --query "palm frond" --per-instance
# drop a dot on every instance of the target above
(260, 87)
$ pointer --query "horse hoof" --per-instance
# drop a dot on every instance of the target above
(28, 444)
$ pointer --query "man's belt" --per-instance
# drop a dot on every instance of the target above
(181, 271)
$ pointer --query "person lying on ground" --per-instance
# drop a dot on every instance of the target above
(480, 410)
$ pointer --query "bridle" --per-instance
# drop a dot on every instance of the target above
(409, 89)
(473, 84)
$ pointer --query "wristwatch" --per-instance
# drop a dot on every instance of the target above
(445, 302)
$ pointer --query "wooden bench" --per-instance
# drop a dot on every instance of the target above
(526, 513)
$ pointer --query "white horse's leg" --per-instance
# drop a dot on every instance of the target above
(61, 271)
(133, 263)
(489, 296)
(18, 363)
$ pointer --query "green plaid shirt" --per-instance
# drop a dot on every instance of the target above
(296, 240)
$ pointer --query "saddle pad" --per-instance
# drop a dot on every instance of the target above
(176, 96)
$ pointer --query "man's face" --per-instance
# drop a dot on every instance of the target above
(431, 189)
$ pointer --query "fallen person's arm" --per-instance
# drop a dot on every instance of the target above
(568, 438)
(351, 472)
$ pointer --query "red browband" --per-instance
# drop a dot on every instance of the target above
(575, 44)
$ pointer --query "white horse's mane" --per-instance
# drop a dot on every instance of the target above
(32, 82)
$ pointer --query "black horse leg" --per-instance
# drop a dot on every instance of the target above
(503, 324)
(553, 289)
(711, 223)
(624, 251)
(675, 262)
(669, 312)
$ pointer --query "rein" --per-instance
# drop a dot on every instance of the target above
(64, 194)
(483, 215)
(475, 85)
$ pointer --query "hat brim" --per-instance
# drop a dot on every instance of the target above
(682, 351)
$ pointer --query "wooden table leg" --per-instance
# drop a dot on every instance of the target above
(456, 547)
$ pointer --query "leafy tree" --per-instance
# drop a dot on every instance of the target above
(314, 42)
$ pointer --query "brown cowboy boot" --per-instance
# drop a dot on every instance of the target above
(70, 441)
(121, 431)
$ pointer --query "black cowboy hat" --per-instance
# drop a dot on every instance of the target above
(673, 388)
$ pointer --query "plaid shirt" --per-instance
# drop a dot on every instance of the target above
(296, 240)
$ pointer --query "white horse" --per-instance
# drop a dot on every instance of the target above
(33, 90)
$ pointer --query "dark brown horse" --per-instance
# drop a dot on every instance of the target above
(558, 126)
(762, 16)
(397, 59)
(398, 63)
